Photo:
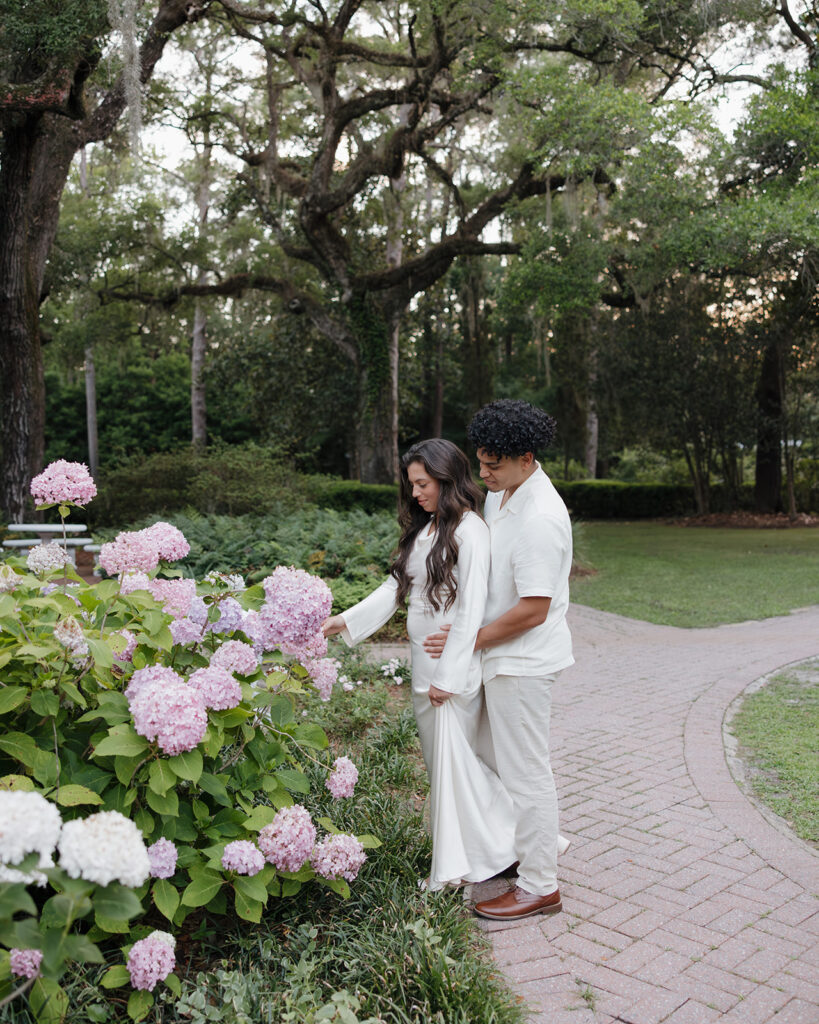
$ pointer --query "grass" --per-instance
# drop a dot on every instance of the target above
(389, 953)
(776, 728)
(686, 576)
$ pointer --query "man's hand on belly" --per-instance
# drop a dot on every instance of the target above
(438, 697)
(434, 643)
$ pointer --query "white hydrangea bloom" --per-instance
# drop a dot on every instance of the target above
(47, 558)
(165, 937)
(28, 824)
(8, 578)
(103, 848)
(69, 632)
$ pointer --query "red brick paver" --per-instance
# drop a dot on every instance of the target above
(683, 902)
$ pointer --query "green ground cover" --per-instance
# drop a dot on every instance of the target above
(687, 576)
(776, 729)
(389, 953)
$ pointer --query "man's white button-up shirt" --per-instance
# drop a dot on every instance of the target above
(531, 548)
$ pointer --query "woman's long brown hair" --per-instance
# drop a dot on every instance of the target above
(446, 463)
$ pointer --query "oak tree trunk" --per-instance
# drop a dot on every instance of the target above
(768, 486)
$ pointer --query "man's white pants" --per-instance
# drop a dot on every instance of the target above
(519, 709)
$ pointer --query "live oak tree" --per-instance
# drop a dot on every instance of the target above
(53, 102)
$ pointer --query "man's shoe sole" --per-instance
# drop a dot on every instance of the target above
(553, 908)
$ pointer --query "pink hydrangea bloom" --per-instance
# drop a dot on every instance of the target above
(243, 857)
(25, 963)
(63, 483)
(343, 779)
(288, 840)
(127, 653)
(236, 656)
(171, 713)
(186, 631)
(129, 551)
(150, 674)
(324, 674)
(175, 596)
(217, 687)
(296, 605)
(168, 540)
(162, 854)
(151, 960)
(338, 856)
(131, 581)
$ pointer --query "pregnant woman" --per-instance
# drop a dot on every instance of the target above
(442, 566)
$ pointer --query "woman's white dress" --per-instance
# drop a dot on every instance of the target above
(471, 814)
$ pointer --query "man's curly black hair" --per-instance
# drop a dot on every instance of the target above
(511, 427)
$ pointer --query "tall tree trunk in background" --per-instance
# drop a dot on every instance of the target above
(199, 418)
(478, 370)
(394, 257)
(592, 422)
(768, 486)
(91, 411)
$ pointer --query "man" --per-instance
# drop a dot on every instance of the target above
(525, 639)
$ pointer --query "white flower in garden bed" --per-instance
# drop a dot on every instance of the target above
(105, 847)
(46, 558)
(28, 824)
(8, 578)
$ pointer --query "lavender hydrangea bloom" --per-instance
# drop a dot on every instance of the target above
(288, 840)
(231, 616)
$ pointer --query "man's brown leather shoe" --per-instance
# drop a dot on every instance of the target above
(518, 903)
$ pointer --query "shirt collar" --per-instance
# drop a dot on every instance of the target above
(519, 497)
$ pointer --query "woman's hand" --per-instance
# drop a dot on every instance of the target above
(335, 624)
(434, 643)
(438, 697)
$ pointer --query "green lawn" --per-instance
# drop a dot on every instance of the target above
(696, 576)
(777, 728)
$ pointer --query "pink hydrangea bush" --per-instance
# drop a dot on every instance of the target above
(63, 483)
(288, 840)
(175, 596)
(324, 674)
(128, 552)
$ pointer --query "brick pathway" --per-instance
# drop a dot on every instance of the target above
(683, 904)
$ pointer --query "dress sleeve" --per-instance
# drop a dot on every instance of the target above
(364, 618)
(452, 669)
